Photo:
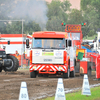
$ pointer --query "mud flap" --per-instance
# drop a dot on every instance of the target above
(0, 69)
(77, 67)
(89, 69)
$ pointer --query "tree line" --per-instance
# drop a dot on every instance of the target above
(57, 12)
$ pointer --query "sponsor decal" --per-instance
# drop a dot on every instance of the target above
(47, 54)
(58, 53)
(37, 53)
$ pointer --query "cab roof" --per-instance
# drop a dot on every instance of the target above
(50, 34)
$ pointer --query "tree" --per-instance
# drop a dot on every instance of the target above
(75, 17)
(57, 14)
(58, 8)
(16, 28)
(54, 24)
(31, 27)
(90, 12)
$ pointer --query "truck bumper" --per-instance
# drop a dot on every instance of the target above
(48, 69)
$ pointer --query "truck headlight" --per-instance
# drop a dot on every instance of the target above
(34, 67)
(60, 68)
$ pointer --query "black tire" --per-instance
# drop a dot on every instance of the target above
(66, 75)
(0, 69)
(33, 74)
(89, 69)
(28, 62)
(74, 62)
(15, 64)
(89, 72)
(72, 73)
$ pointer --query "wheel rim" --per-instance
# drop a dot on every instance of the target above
(11, 65)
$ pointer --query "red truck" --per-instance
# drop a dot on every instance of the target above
(83, 66)
(51, 53)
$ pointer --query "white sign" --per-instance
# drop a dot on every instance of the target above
(23, 92)
(86, 87)
(60, 93)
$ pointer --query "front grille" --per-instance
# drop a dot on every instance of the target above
(2, 54)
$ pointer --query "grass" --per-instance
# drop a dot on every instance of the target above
(95, 95)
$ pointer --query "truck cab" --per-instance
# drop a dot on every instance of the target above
(49, 54)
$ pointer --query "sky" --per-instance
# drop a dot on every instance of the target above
(74, 3)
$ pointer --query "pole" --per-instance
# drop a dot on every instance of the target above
(22, 47)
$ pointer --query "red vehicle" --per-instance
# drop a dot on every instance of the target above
(16, 48)
(82, 66)
(51, 53)
(7, 62)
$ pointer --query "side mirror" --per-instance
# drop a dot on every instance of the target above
(27, 43)
(4, 47)
(66, 43)
(8, 42)
(69, 43)
(95, 39)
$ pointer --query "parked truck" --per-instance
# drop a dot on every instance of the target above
(84, 65)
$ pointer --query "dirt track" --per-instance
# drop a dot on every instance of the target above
(39, 87)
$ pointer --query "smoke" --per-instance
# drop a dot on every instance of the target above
(32, 10)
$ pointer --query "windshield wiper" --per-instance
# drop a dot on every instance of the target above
(53, 48)
(56, 48)
(38, 47)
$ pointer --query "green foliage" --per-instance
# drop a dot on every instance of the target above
(75, 17)
(57, 14)
(31, 27)
(90, 11)
(54, 24)
(16, 28)
(58, 8)
(90, 38)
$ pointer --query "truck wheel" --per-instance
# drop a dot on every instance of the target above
(89, 69)
(15, 64)
(72, 73)
(33, 74)
(66, 75)
(74, 62)
(0, 69)
(28, 62)
(89, 72)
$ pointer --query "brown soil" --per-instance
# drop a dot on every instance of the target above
(39, 87)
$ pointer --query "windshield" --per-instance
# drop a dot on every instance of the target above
(75, 36)
(56, 43)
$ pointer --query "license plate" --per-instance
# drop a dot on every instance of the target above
(47, 59)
